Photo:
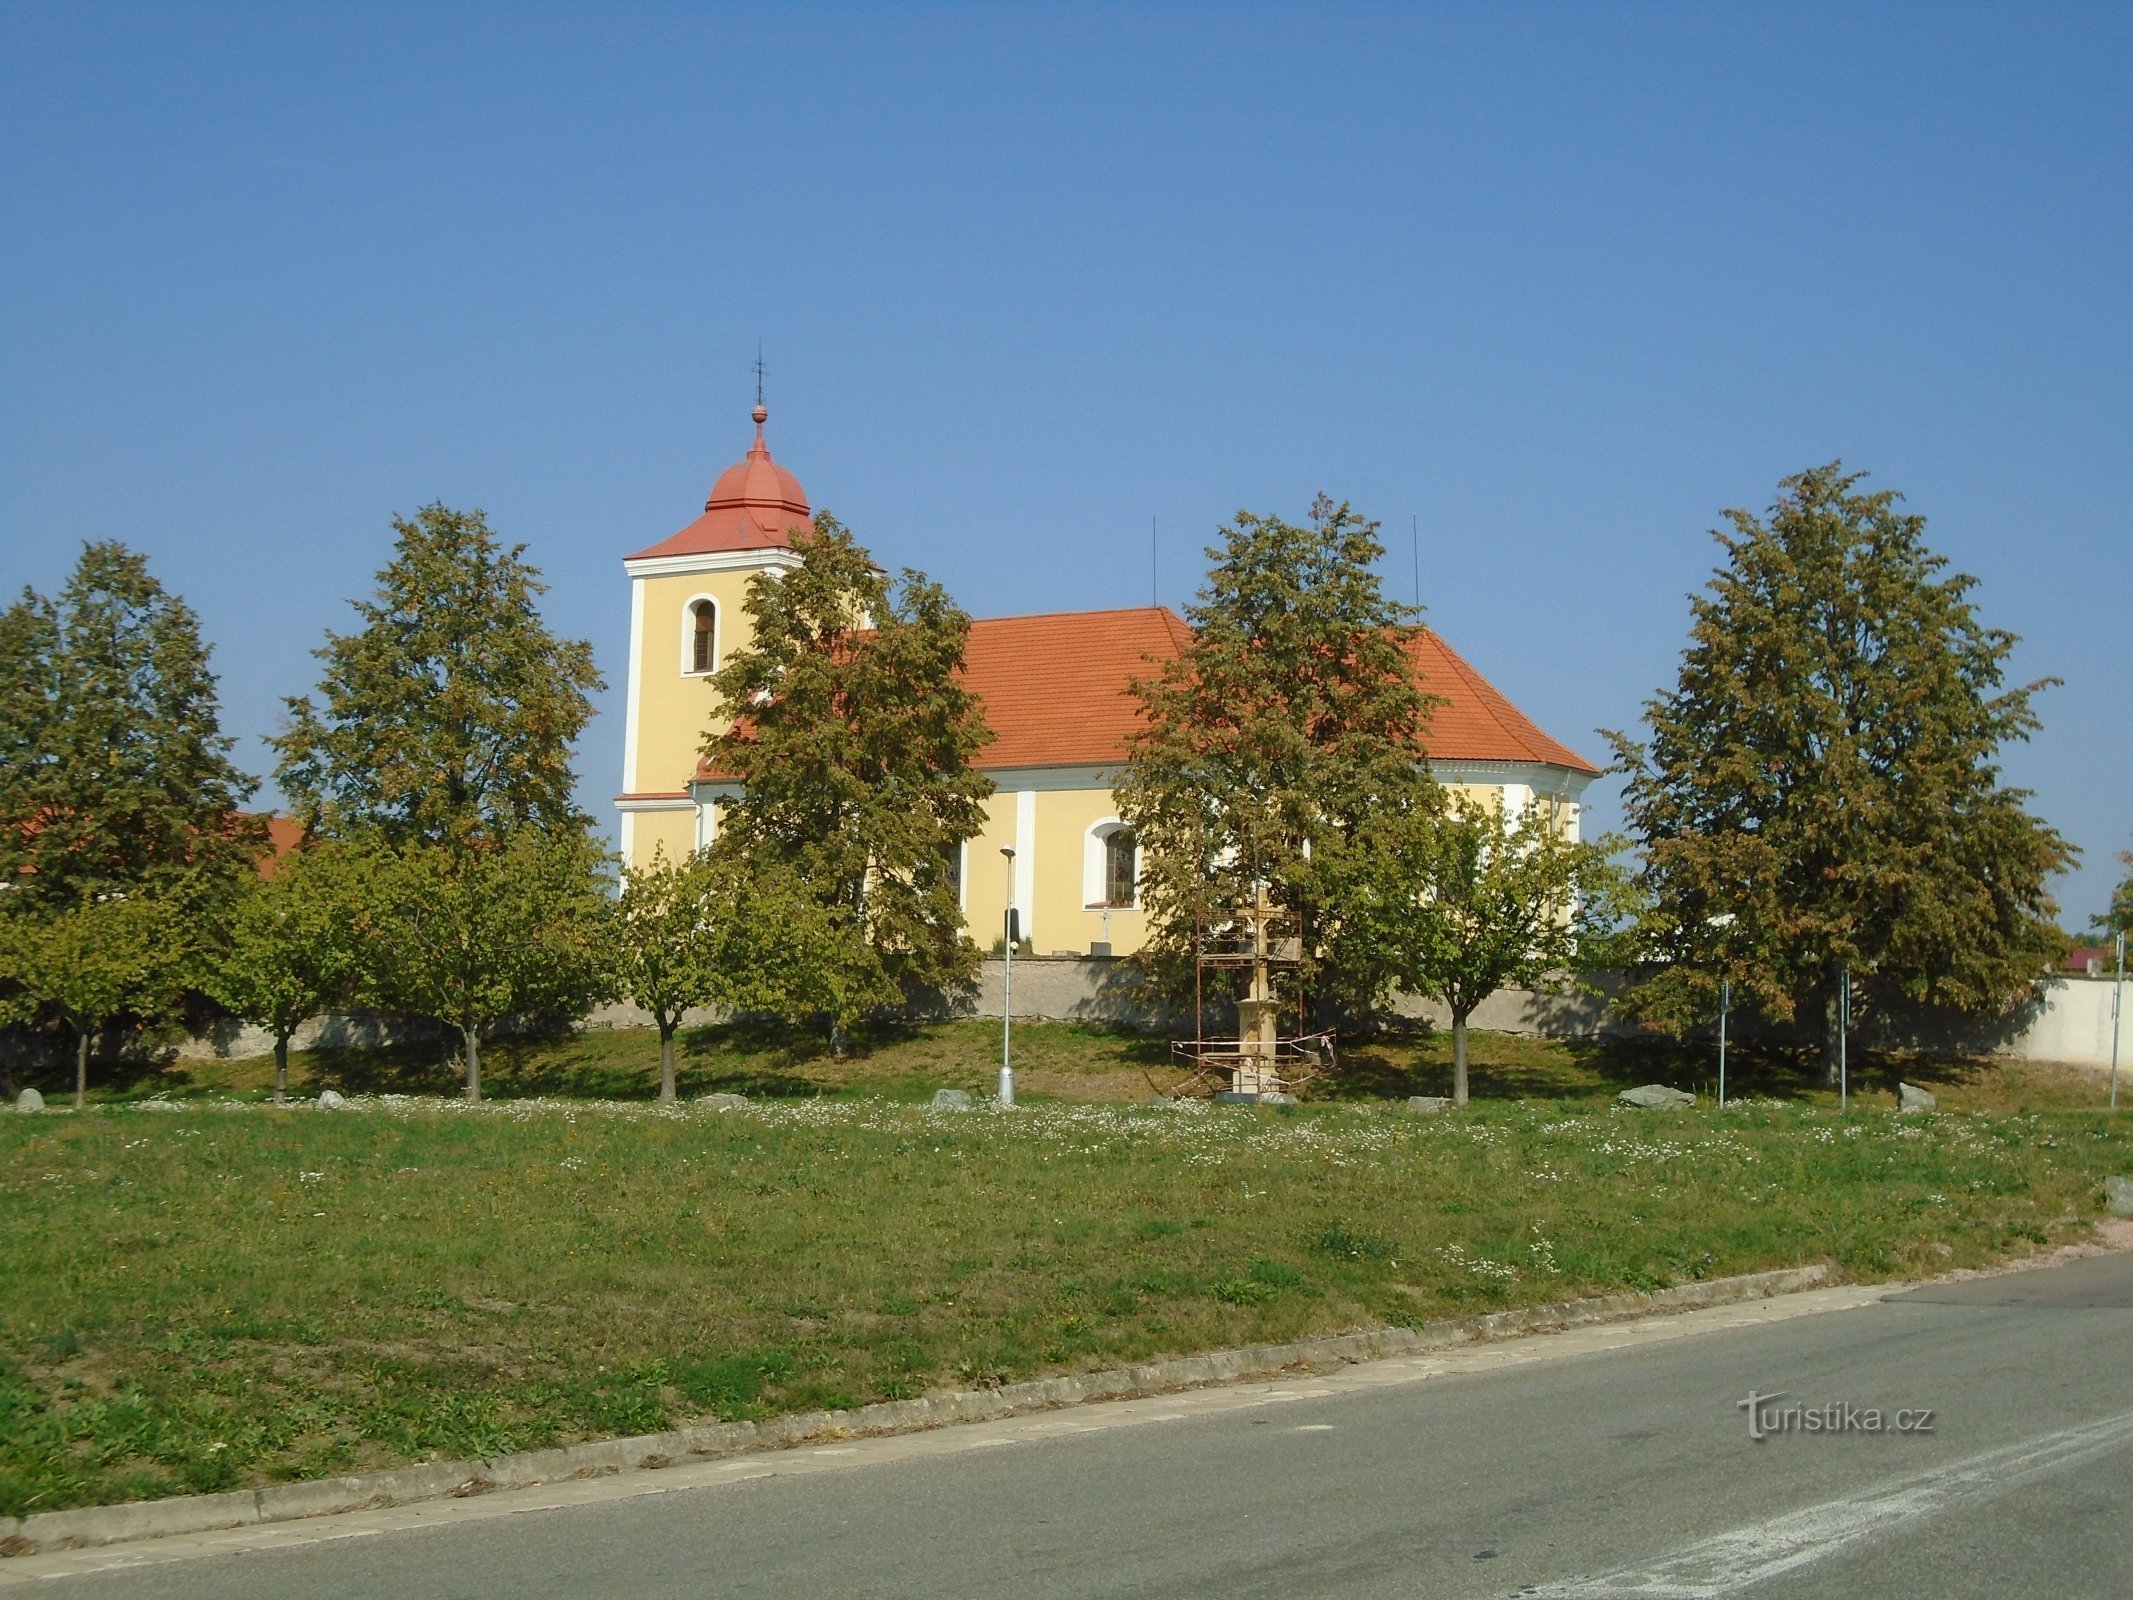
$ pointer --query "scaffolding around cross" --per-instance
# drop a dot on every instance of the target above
(1258, 1064)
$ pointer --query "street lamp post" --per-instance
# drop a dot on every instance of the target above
(2118, 999)
(1724, 919)
(1007, 993)
(1844, 1038)
(1725, 1001)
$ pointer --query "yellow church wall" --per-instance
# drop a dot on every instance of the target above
(1054, 893)
(676, 709)
(1047, 828)
(985, 872)
(1496, 796)
(672, 833)
(1063, 893)
(1487, 794)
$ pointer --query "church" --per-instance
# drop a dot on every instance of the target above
(1055, 692)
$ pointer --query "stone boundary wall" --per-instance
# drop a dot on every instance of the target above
(2070, 1022)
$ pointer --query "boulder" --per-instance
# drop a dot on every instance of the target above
(1909, 1097)
(1429, 1104)
(29, 1100)
(951, 1099)
(1655, 1097)
(1273, 1097)
(2118, 1195)
(328, 1100)
(723, 1101)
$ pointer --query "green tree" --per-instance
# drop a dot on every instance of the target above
(1490, 898)
(291, 946)
(450, 714)
(89, 964)
(706, 932)
(1283, 746)
(115, 776)
(665, 958)
(852, 747)
(472, 935)
(1820, 791)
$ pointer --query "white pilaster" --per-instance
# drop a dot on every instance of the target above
(1026, 856)
(629, 724)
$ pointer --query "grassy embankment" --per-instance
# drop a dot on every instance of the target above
(227, 1294)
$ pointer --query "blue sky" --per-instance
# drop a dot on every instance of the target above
(1560, 283)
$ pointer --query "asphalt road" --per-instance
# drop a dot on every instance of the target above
(1562, 1470)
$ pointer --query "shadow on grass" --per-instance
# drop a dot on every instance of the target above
(385, 1069)
(762, 1083)
(1507, 1067)
(795, 1043)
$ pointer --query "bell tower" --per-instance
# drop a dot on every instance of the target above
(687, 614)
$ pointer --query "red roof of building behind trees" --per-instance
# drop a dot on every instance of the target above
(1056, 692)
(1055, 687)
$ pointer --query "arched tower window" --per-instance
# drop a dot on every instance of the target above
(703, 636)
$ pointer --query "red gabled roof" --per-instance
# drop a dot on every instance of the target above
(1474, 722)
(1056, 694)
(1055, 687)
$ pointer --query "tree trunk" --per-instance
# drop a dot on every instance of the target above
(1459, 1057)
(281, 1068)
(472, 1041)
(81, 1070)
(666, 1063)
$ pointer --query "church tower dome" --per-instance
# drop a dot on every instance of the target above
(755, 505)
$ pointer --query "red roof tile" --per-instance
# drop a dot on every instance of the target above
(1055, 692)
(1055, 687)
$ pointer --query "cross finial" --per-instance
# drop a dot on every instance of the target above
(759, 372)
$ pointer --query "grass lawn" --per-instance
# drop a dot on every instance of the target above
(229, 1294)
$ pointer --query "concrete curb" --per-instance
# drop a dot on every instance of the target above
(319, 1497)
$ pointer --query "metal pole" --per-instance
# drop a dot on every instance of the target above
(1007, 993)
(2118, 1000)
(1844, 1029)
(1724, 920)
(1725, 999)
